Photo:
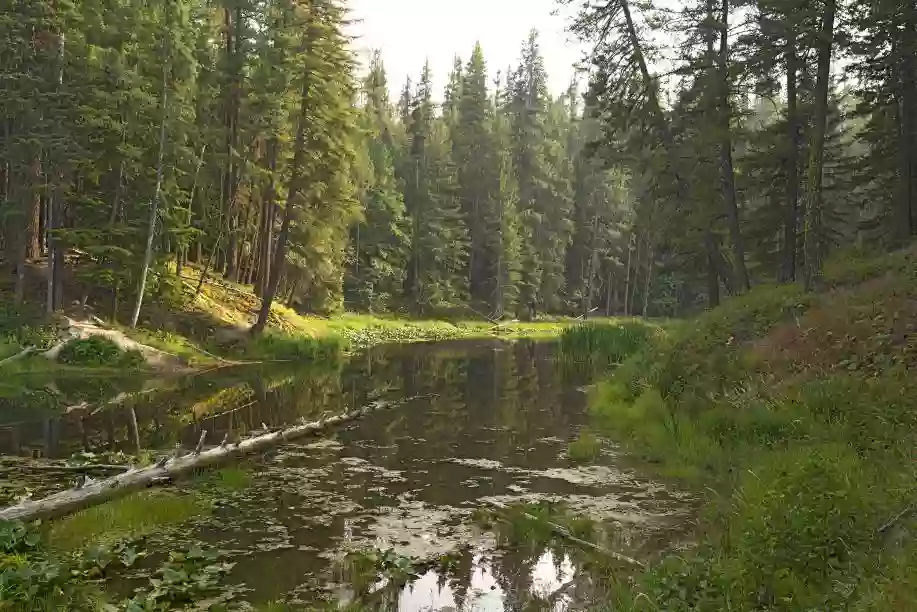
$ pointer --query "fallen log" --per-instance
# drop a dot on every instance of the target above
(169, 468)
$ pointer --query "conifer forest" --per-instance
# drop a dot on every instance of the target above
(286, 325)
(243, 137)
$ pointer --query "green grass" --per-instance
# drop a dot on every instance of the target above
(793, 415)
(127, 518)
(228, 479)
(604, 342)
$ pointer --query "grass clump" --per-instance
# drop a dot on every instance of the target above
(795, 413)
(585, 448)
(127, 518)
(607, 343)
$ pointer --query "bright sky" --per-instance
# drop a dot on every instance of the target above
(410, 31)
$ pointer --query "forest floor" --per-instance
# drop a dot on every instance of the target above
(794, 415)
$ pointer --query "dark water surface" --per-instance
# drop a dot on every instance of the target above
(490, 423)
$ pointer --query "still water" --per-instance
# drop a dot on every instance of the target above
(483, 423)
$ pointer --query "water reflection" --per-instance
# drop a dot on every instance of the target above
(493, 424)
(486, 590)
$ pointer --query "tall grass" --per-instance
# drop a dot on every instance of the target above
(604, 343)
(774, 408)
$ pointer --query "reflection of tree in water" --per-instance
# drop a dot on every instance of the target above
(512, 569)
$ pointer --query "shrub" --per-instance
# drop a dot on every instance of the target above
(98, 351)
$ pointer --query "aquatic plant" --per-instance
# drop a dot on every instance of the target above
(585, 448)
(127, 518)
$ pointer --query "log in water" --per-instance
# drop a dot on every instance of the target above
(171, 468)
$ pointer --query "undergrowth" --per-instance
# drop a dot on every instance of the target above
(796, 414)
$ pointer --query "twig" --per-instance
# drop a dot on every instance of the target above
(26, 351)
(200, 443)
(896, 519)
(564, 532)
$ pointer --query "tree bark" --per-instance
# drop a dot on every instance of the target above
(791, 160)
(269, 207)
(727, 172)
(280, 252)
(813, 229)
(154, 203)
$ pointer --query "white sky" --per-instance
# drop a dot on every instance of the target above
(410, 31)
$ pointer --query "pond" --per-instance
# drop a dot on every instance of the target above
(482, 424)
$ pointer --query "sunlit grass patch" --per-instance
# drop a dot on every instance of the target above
(130, 517)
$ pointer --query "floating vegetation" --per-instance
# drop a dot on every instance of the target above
(128, 518)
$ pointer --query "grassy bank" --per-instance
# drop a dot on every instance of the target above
(201, 327)
(795, 415)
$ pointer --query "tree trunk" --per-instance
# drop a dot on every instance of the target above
(627, 278)
(813, 229)
(665, 132)
(907, 113)
(649, 277)
(727, 171)
(280, 252)
(168, 469)
(268, 206)
(608, 291)
(154, 204)
(791, 161)
(33, 235)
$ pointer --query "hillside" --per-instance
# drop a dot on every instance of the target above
(795, 416)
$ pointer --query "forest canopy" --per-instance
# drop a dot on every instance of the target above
(243, 137)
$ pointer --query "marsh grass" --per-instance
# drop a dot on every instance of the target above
(585, 449)
(603, 343)
(128, 518)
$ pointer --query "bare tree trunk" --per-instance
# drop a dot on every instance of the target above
(154, 204)
(280, 252)
(183, 254)
(813, 230)
(234, 39)
(791, 160)
(33, 245)
(55, 257)
(649, 277)
(268, 206)
(608, 292)
(726, 168)
(627, 278)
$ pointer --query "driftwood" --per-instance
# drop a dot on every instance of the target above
(169, 468)
(565, 533)
(25, 351)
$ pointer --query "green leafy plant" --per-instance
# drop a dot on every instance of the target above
(98, 351)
